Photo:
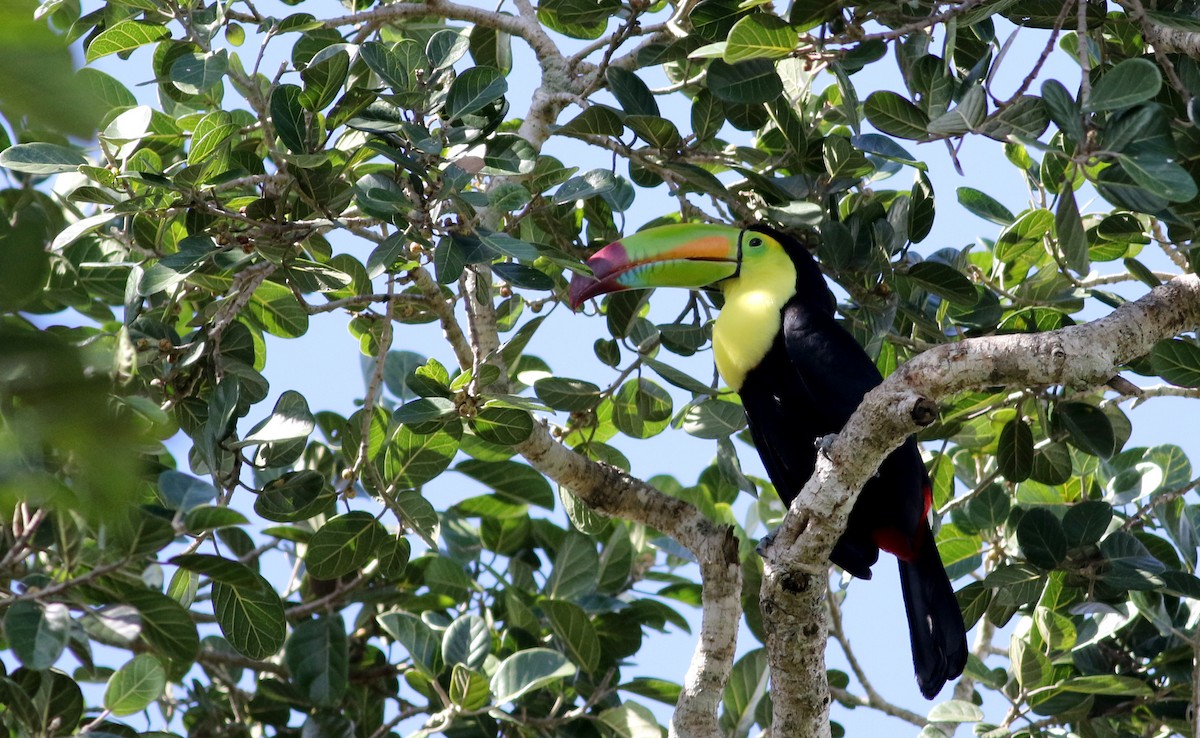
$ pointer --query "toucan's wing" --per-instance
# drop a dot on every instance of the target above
(779, 408)
(837, 372)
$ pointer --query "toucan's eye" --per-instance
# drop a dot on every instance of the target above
(755, 242)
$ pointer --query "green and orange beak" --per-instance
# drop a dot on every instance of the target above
(681, 255)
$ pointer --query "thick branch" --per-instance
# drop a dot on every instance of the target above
(796, 563)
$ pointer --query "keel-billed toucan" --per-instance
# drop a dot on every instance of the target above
(800, 376)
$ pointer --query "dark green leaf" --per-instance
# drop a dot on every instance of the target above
(1088, 428)
(37, 633)
(574, 630)
(631, 92)
(252, 618)
(984, 205)
(745, 83)
(317, 658)
(1177, 361)
(474, 90)
(943, 281)
(1130, 82)
(527, 670)
(503, 425)
(344, 544)
(1014, 455)
(1042, 538)
(895, 115)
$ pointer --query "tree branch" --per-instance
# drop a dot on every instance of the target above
(797, 561)
(613, 492)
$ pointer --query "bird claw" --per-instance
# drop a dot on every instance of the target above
(764, 544)
(824, 443)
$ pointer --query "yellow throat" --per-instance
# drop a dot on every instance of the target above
(751, 318)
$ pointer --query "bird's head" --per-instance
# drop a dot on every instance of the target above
(691, 255)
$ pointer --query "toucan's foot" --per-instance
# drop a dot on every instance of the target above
(764, 544)
(824, 443)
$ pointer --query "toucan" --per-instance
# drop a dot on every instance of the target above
(801, 375)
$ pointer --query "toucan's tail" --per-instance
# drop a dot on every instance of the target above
(935, 623)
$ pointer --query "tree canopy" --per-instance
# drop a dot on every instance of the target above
(180, 554)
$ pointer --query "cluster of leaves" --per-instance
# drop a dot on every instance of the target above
(234, 208)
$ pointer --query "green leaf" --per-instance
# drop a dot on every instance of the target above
(211, 517)
(219, 569)
(1161, 176)
(324, 77)
(572, 395)
(294, 496)
(746, 688)
(658, 132)
(418, 514)
(503, 425)
(967, 116)
(125, 36)
(275, 309)
(1063, 110)
(641, 408)
(984, 205)
(677, 377)
(955, 711)
(195, 73)
(630, 720)
(576, 569)
(1107, 684)
(895, 115)
(140, 681)
(37, 633)
(474, 90)
(525, 277)
(290, 420)
(469, 689)
(1068, 226)
(944, 281)
(1024, 236)
(596, 120)
(344, 544)
(41, 158)
(1014, 455)
(1177, 361)
(1042, 538)
(317, 658)
(631, 92)
(1088, 428)
(714, 418)
(446, 47)
(528, 670)
(513, 481)
(659, 690)
(467, 641)
(166, 625)
(250, 618)
(426, 414)
(287, 114)
(1129, 83)
(214, 129)
(759, 36)
(1085, 521)
(745, 83)
(415, 458)
(574, 630)
(417, 638)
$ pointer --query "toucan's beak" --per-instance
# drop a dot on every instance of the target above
(681, 255)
